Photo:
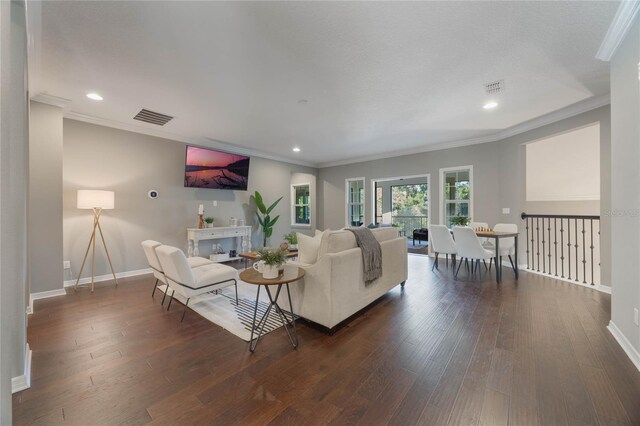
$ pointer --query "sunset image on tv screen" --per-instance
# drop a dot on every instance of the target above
(206, 168)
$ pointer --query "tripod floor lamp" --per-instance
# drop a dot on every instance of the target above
(96, 201)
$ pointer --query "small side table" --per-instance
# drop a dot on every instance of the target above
(288, 275)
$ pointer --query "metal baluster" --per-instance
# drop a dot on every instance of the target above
(526, 225)
(569, 247)
(549, 232)
(584, 256)
(592, 247)
(576, 247)
(543, 256)
(538, 245)
(562, 246)
(555, 243)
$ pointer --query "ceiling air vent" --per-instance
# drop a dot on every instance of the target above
(494, 87)
(152, 117)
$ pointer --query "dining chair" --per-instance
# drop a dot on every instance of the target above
(190, 282)
(484, 241)
(441, 242)
(149, 247)
(470, 248)
(507, 245)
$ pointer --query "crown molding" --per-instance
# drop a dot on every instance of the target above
(206, 142)
(45, 98)
(626, 13)
(558, 115)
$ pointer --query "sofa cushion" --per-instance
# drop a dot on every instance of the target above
(308, 247)
(385, 234)
(336, 241)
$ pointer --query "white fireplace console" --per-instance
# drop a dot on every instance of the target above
(242, 234)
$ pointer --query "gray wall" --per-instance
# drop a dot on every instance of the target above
(625, 179)
(13, 198)
(498, 178)
(45, 201)
(131, 164)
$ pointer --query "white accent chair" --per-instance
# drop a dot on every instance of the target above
(441, 242)
(470, 248)
(507, 245)
(149, 247)
(190, 282)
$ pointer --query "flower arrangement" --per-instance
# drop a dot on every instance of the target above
(272, 257)
(460, 221)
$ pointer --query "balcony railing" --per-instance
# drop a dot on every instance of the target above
(407, 224)
(564, 246)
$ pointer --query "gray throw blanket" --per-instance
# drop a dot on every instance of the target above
(371, 254)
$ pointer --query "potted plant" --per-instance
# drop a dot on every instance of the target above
(209, 221)
(270, 262)
(264, 218)
(460, 221)
(292, 239)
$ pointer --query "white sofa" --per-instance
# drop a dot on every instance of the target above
(333, 288)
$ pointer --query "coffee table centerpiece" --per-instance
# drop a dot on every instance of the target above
(269, 262)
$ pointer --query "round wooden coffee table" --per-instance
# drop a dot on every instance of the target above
(288, 275)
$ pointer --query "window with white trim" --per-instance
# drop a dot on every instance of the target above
(456, 193)
(301, 204)
(355, 201)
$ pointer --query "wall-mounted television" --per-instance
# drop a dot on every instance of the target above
(208, 168)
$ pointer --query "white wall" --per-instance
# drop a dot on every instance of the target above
(565, 167)
(625, 180)
(45, 200)
(131, 164)
(13, 198)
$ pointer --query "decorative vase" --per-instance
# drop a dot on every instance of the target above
(209, 225)
(270, 272)
(293, 247)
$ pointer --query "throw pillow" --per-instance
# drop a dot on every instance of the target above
(308, 247)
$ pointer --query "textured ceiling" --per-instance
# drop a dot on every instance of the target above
(379, 77)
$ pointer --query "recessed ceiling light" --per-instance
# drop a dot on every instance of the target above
(296, 149)
(490, 105)
(94, 96)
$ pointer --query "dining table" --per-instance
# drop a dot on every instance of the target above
(497, 236)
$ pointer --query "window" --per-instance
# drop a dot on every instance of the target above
(300, 205)
(456, 193)
(410, 206)
(355, 201)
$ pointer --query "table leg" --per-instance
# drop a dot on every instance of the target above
(516, 258)
(273, 303)
(498, 263)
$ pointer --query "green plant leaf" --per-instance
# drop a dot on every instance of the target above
(268, 232)
(273, 221)
(260, 203)
(267, 220)
(273, 206)
(259, 220)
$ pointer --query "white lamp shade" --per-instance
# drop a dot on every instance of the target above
(92, 199)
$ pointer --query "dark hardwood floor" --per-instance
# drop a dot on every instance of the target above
(466, 352)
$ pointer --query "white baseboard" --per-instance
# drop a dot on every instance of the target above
(23, 382)
(43, 295)
(108, 277)
(626, 345)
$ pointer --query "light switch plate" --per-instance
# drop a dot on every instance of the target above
(506, 210)
(66, 264)
(215, 203)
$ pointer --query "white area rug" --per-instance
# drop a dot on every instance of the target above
(221, 308)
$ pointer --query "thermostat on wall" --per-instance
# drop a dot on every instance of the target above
(153, 194)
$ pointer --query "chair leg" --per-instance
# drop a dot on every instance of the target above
(170, 299)
(447, 260)
(458, 270)
(485, 265)
(164, 296)
(236, 285)
(511, 261)
(185, 310)
(154, 288)
(435, 262)
(490, 263)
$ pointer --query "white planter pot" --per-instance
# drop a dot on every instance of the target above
(269, 272)
(209, 225)
(293, 247)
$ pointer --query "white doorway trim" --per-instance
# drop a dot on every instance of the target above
(373, 192)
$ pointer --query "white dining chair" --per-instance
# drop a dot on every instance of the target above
(190, 282)
(484, 241)
(470, 248)
(441, 242)
(507, 245)
(149, 247)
